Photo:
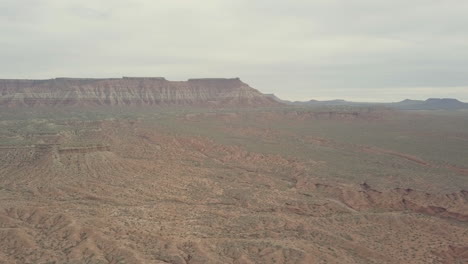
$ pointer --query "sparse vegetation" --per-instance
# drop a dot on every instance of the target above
(277, 185)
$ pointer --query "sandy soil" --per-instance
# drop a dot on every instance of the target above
(140, 194)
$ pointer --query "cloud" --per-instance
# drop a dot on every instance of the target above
(89, 13)
(297, 49)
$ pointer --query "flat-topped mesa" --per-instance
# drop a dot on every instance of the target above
(144, 78)
(82, 79)
(138, 91)
(213, 79)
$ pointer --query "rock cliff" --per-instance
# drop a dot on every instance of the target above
(130, 91)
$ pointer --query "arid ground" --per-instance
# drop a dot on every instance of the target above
(277, 185)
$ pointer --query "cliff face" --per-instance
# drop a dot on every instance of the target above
(130, 91)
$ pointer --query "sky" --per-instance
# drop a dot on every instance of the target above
(360, 50)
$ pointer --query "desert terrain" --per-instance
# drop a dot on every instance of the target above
(180, 180)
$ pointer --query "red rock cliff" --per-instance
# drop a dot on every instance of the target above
(130, 91)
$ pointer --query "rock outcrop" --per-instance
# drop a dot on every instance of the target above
(133, 91)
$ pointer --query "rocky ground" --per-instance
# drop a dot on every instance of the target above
(158, 191)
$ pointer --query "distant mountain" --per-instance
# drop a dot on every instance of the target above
(430, 104)
(407, 104)
(327, 102)
(335, 102)
(133, 91)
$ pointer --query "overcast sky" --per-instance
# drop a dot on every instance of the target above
(364, 50)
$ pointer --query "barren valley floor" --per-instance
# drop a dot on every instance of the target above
(278, 185)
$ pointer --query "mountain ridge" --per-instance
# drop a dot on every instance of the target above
(406, 104)
(65, 91)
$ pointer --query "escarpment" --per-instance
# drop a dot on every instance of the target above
(132, 91)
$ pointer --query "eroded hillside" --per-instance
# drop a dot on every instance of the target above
(229, 187)
(130, 91)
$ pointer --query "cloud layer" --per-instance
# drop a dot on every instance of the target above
(298, 49)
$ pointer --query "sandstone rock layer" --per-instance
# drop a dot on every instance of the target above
(133, 91)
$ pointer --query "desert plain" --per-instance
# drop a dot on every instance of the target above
(256, 183)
